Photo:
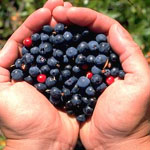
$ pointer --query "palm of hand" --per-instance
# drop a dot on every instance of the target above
(25, 112)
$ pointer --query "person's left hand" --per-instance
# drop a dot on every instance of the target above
(27, 118)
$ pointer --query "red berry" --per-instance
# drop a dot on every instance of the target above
(89, 75)
(85, 67)
(41, 78)
(110, 80)
(27, 42)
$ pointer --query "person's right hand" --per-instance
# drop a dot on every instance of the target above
(27, 119)
(121, 117)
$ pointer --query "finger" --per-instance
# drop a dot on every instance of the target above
(60, 14)
(131, 57)
(97, 22)
(32, 24)
(67, 5)
(51, 4)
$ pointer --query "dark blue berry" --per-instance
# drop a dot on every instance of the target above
(59, 28)
(83, 47)
(54, 101)
(34, 71)
(96, 79)
(52, 62)
(58, 39)
(80, 59)
(44, 37)
(18, 63)
(88, 110)
(54, 72)
(100, 60)
(47, 29)
(101, 87)
(93, 46)
(104, 47)
(121, 74)
(90, 59)
(65, 59)
(71, 81)
(90, 91)
(28, 79)
(81, 118)
(71, 52)
(114, 71)
(28, 58)
(68, 36)
(45, 48)
(95, 70)
(107, 72)
(50, 82)
(55, 92)
(58, 54)
(113, 57)
(40, 87)
(45, 69)
(66, 74)
(66, 92)
(17, 74)
(24, 50)
(41, 60)
(83, 82)
(34, 50)
(35, 37)
(101, 38)
(76, 100)
(76, 69)
(75, 89)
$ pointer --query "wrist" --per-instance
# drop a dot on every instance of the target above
(36, 145)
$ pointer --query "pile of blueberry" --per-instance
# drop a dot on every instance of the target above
(70, 65)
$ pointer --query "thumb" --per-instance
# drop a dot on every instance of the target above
(131, 57)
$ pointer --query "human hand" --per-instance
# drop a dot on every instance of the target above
(121, 117)
(27, 118)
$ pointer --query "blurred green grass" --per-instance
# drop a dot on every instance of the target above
(132, 14)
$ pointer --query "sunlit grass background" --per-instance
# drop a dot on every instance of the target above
(132, 14)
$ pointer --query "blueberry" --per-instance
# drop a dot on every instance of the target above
(50, 82)
(83, 82)
(96, 79)
(59, 28)
(107, 73)
(68, 67)
(88, 110)
(114, 72)
(41, 60)
(104, 47)
(44, 37)
(71, 52)
(65, 59)
(35, 37)
(58, 39)
(113, 57)
(77, 37)
(90, 59)
(51, 38)
(80, 59)
(92, 102)
(69, 105)
(17, 74)
(90, 91)
(100, 60)
(58, 54)
(81, 118)
(34, 71)
(55, 92)
(68, 36)
(95, 70)
(47, 29)
(66, 92)
(40, 87)
(18, 63)
(45, 69)
(101, 38)
(28, 58)
(45, 48)
(93, 46)
(28, 79)
(75, 89)
(85, 32)
(71, 81)
(34, 50)
(54, 101)
(76, 100)
(76, 69)
(83, 47)
(85, 100)
(66, 74)
(54, 72)
(24, 50)
(121, 74)
(52, 62)
(101, 87)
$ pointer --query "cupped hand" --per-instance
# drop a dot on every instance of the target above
(121, 117)
(27, 118)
